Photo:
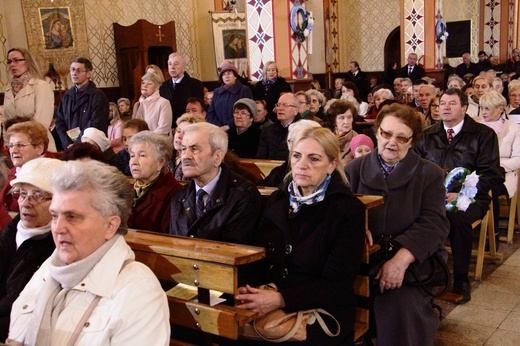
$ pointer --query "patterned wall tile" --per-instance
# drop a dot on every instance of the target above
(491, 25)
(363, 27)
(414, 28)
(261, 35)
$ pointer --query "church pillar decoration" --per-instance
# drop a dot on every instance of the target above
(332, 32)
(414, 28)
(261, 35)
(491, 21)
(441, 35)
(299, 50)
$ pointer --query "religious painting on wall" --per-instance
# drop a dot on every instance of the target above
(56, 27)
(230, 39)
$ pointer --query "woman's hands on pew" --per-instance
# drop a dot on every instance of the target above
(258, 300)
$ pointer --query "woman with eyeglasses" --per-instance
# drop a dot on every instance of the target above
(434, 113)
(27, 93)
(413, 215)
(340, 118)
(26, 141)
(26, 242)
(270, 88)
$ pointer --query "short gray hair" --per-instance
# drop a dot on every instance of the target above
(217, 138)
(319, 96)
(152, 77)
(162, 146)
(381, 91)
(113, 193)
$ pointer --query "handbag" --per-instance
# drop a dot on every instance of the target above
(432, 275)
(278, 326)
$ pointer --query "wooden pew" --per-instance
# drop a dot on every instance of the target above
(260, 167)
(210, 265)
(207, 265)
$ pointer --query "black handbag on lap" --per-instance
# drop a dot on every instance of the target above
(432, 275)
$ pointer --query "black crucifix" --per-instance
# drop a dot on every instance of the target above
(160, 35)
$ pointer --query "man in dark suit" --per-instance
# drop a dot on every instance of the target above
(180, 87)
(459, 141)
(466, 67)
(358, 77)
(412, 70)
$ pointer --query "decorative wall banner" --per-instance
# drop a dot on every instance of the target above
(230, 39)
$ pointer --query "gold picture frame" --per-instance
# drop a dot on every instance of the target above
(56, 27)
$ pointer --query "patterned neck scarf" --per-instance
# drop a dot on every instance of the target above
(296, 200)
(385, 168)
(268, 83)
(18, 83)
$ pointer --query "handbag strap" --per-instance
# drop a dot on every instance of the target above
(299, 320)
(322, 323)
(90, 310)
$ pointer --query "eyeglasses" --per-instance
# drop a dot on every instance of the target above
(35, 197)
(15, 60)
(78, 70)
(399, 139)
(434, 106)
(240, 114)
(285, 105)
(17, 145)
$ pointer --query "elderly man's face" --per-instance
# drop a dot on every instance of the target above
(198, 161)
(425, 96)
(176, 67)
(287, 108)
(34, 213)
(466, 59)
(452, 112)
(412, 59)
(195, 108)
(77, 228)
(397, 85)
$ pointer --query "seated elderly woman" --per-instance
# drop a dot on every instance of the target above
(317, 101)
(152, 107)
(413, 189)
(481, 85)
(244, 138)
(130, 128)
(314, 230)
(26, 141)
(98, 139)
(341, 116)
(492, 110)
(183, 121)
(92, 274)
(380, 96)
(154, 184)
(26, 242)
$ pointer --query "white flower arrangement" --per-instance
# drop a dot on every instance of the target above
(467, 193)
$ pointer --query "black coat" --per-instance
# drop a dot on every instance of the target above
(417, 73)
(273, 142)
(18, 266)
(178, 97)
(314, 256)
(245, 144)
(361, 82)
(231, 213)
(475, 147)
(462, 69)
(272, 95)
(89, 110)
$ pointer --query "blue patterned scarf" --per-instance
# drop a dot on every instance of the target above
(296, 200)
(268, 83)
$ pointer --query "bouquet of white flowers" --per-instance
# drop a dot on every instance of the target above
(468, 191)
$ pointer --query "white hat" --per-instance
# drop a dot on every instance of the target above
(97, 136)
(38, 172)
